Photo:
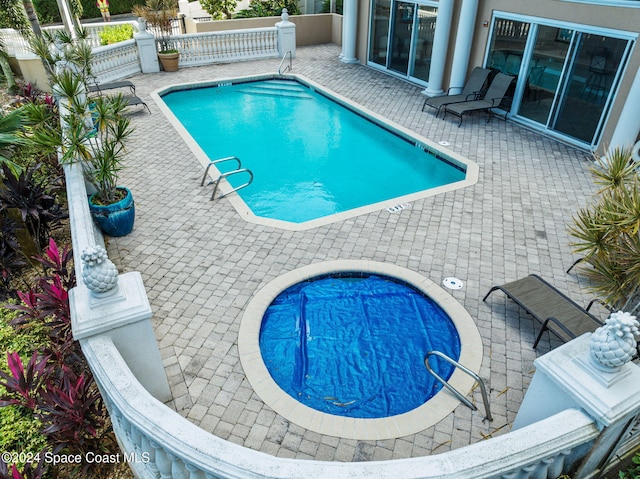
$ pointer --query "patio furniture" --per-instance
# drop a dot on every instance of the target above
(496, 92)
(552, 309)
(471, 91)
(133, 100)
(98, 87)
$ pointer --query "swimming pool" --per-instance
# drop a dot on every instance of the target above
(323, 419)
(315, 156)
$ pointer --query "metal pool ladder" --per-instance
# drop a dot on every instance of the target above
(457, 393)
(238, 169)
(288, 67)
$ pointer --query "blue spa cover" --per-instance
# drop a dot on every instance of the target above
(356, 347)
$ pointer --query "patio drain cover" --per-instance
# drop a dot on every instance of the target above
(444, 143)
(452, 283)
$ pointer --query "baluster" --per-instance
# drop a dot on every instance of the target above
(146, 446)
(556, 464)
(178, 469)
(162, 461)
(194, 472)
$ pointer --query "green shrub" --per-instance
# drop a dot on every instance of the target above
(19, 430)
(116, 33)
(632, 472)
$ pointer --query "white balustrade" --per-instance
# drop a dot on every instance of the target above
(162, 444)
(233, 45)
(116, 61)
(15, 44)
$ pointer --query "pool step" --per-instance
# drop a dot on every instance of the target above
(277, 88)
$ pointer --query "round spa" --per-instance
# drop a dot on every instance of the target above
(339, 347)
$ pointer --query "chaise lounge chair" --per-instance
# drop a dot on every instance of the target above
(471, 91)
(133, 100)
(496, 92)
(99, 87)
(553, 310)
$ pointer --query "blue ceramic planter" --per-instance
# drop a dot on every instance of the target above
(115, 219)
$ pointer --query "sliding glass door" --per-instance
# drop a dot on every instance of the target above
(566, 77)
(588, 86)
(401, 39)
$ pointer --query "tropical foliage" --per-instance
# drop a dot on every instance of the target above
(607, 232)
(268, 8)
(96, 129)
(50, 380)
(159, 14)
(219, 9)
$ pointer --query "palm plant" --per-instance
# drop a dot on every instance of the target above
(92, 131)
(607, 232)
(10, 126)
(159, 15)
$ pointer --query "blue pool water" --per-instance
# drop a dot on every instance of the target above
(355, 346)
(310, 156)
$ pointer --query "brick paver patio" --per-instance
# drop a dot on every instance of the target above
(202, 263)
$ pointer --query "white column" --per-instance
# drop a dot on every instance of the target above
(440, 44)
(464, 39)
(147, 50)
(349, 31)
(628, 126)
(286, 35)
(125, 317)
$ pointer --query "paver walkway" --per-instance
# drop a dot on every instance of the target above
(202, 263)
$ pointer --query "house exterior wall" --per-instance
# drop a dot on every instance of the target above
(615, 17)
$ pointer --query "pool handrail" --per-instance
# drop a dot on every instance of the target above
(229, 173)
(457, 393)
(215, 162)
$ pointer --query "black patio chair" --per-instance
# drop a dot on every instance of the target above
(494, 95)
(471, 91)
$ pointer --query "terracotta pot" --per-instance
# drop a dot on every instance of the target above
(169, 61)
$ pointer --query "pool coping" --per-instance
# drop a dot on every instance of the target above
(471, 168)
(418, 419)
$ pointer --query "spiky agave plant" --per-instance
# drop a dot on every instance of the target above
(607, 232)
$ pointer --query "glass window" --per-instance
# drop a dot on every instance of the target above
(379, 41)
(401, 38)
(424, 41)
(566, 74)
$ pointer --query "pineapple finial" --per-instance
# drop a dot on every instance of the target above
(614, 344)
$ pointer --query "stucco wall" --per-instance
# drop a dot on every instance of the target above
(310, 29)
(616, 18)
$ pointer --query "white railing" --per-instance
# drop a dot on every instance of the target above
(15, 44)
(232, 45)
(116, 61)
(162, 444)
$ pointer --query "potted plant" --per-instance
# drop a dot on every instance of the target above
(94, 132)
(159, 14)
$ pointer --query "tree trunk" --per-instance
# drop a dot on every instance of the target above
(32, 17)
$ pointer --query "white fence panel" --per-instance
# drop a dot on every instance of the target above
(233, 45)
(113, 62)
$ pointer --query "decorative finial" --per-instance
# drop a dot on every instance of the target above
(142, 25)
(285, 15)
(99, 274)
(614, 344)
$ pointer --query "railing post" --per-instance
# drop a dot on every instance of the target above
(147, 49)
(568, 377)
(286, 35)
(105, 303)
